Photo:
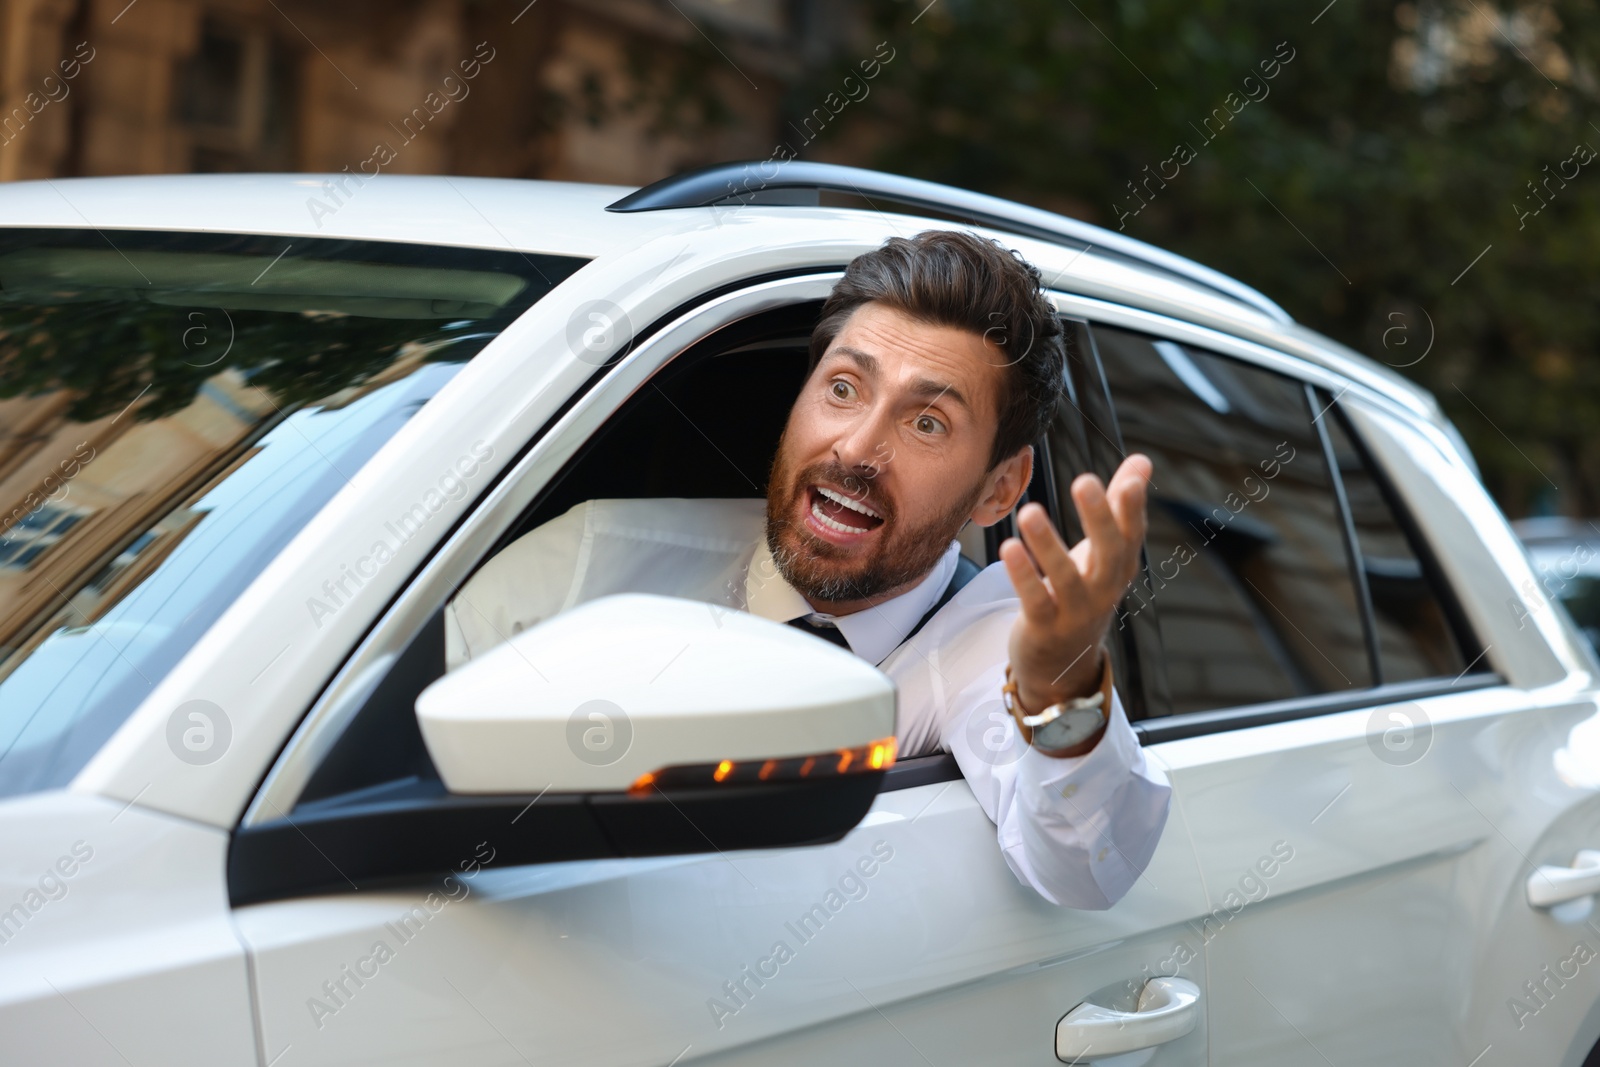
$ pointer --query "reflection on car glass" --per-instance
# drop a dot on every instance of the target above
(173, 409)
(1248, 567)
(1414, 636)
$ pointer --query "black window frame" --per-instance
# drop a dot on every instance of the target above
(1093, 396)
(1472, 650)
(1137, 638)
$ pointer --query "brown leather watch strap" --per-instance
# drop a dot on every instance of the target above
(1012, 704)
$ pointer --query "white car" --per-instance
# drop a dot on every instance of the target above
(252, 445)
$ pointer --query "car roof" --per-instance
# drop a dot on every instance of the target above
(561, 218)
(571, 218)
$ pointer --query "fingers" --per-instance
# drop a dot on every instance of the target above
(1037, 604)
(1114, 522)
(1039, 534)
(1050, 553)
(1095, 512)
(1126, 495)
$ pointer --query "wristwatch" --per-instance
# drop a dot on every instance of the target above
(1064, 726)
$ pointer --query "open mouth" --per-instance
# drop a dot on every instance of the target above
(843, 516)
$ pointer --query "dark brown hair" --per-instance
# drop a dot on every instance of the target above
(948, 278)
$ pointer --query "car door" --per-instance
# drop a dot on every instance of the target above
(1524, 939)
(908, 941)
(1356, 772)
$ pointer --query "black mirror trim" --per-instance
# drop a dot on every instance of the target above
(420, 832)
(922, 770)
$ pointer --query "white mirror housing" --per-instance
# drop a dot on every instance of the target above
(599, 697)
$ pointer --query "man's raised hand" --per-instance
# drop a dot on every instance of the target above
(1071, 596)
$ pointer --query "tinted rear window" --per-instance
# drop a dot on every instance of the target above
(1249, 572)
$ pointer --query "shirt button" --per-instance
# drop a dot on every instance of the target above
(1070, 791)
(1100, 857)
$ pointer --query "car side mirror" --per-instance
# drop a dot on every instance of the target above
(632, 725)
(632, 691)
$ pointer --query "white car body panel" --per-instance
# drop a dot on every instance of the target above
(134, 958)
(1370, 839)
(463, 212)
(615, 962)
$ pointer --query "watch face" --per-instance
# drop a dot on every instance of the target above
(1068, 729)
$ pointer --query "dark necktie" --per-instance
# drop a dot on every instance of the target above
(824, 631)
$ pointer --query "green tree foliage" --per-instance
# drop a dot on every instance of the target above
(109, 354)
(1358, 186)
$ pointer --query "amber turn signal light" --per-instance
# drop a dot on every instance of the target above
(873, 756)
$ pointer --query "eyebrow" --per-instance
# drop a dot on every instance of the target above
(934, 391)
(865, 360)
(924, 388)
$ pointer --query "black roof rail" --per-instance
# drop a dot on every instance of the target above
(749, 183)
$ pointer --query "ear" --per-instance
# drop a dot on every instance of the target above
(1003, 487)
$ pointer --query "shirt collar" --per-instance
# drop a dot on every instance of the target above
(872, 633)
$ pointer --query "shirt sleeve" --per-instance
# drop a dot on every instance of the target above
(1079, 830)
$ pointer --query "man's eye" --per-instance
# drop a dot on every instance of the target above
(843, 390)
(929, 424)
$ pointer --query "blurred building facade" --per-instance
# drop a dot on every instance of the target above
(583, 90)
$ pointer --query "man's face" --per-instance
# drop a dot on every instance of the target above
(885, 457)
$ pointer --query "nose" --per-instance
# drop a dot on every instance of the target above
(864, 445)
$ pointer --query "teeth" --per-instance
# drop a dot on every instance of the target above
(853, 505)
(832, 524)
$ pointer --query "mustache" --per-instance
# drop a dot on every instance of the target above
(852, 482)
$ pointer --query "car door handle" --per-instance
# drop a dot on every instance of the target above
(1549, 886)
(1168, 1009)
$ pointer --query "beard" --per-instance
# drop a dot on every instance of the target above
(822, 571)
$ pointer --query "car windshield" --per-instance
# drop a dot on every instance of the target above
(173, 409)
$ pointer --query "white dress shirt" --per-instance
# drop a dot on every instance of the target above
(1078, 830)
